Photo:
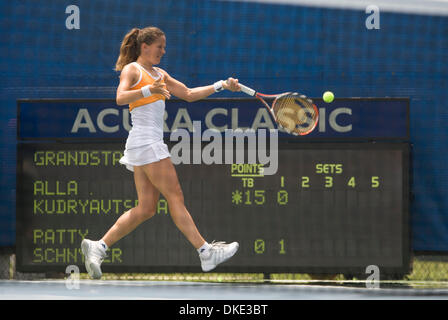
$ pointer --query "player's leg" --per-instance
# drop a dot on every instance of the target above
(164, 177)
(148, 196)
(95, 251)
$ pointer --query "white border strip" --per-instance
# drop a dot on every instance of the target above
(422, 7)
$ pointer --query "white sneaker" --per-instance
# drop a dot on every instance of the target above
(219, 252)
(94, 255)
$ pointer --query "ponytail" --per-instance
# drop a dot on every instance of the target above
(130, 46)
(129, 50)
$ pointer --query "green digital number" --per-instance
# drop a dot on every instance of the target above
(375, 182)
(351, 182)
(259, 246)
(248, 201)
(305, 182)
(282, 197)
(259, 197)
(282, 246)
(328, 182)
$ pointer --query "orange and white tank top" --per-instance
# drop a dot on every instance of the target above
(146, 78)
(146, 113)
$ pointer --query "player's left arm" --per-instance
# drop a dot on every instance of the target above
(181, 91)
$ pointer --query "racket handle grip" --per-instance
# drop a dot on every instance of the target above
(247, 90)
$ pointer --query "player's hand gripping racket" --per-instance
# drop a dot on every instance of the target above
(293, 112)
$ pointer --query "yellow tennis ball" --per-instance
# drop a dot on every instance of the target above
(328, 96)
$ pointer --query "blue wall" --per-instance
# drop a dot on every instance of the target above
(271, 47)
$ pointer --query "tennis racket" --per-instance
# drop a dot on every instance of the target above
(293, 112)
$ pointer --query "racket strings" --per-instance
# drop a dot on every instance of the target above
(296, 114)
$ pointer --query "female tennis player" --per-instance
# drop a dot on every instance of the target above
(145, 88)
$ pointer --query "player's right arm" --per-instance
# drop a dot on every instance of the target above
(128, 77)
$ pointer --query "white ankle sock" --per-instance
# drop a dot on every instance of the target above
(204, 248)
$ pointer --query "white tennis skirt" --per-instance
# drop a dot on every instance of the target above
(145, 154)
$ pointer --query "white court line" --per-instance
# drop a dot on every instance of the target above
(171, 290)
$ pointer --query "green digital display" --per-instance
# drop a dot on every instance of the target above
(330, 208)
